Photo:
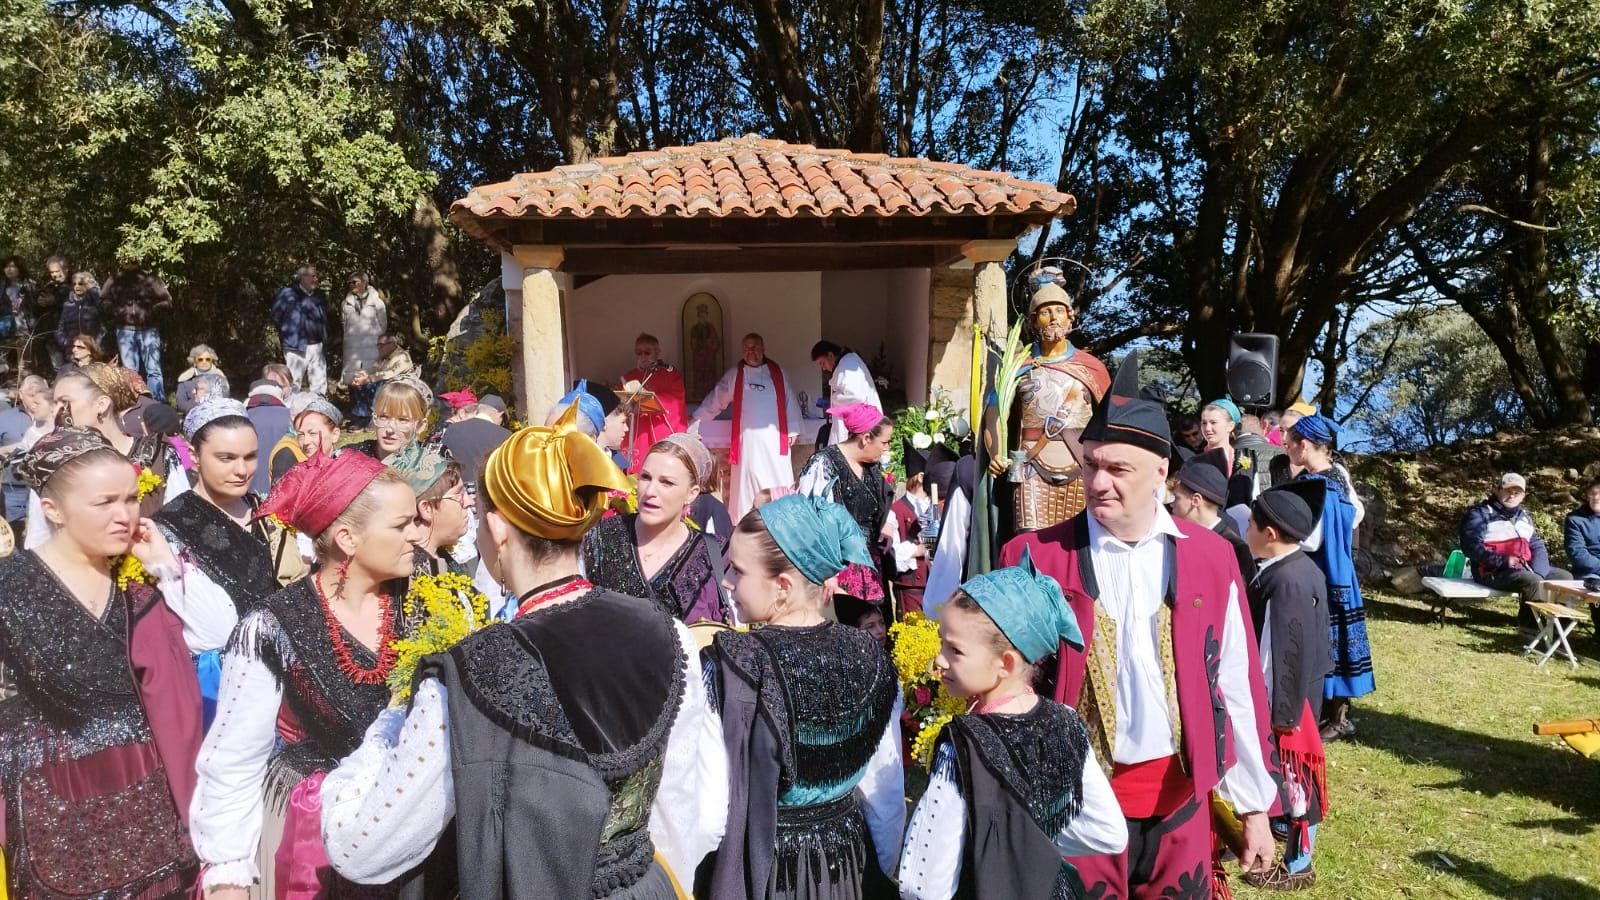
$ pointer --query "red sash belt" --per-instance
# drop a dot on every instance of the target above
(1151, 789)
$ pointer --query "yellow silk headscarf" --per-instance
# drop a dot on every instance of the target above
(552, 482)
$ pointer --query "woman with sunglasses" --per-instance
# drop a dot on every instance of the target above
(202, 370)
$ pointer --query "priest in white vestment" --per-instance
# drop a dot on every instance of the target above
(849, 381)
(766, 421)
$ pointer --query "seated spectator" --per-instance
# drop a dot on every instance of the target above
(1583, 542)
(1498, 536)
(393, 362)
(202, 363)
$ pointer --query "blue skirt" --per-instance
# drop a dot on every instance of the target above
(1347, 636)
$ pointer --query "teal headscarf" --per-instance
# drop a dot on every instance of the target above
(1028, 608)
(1227, 405)
(816, 534)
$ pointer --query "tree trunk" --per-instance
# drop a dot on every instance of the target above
(866, 100)
(779, 38)
(1529, 262)
(1205, 332)
(443, 274)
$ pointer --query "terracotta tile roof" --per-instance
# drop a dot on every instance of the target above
(756, 178)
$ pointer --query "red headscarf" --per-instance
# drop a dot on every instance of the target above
(858, 418)
(314, 493)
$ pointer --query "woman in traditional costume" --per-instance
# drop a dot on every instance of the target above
(302, 678)
(215, 525)
(1014, 788)
(1309, 445)
(212, 528)
(572, 746)
(94, 397)
(441, 508)
(850, 473)
(810, 711)
(654, 553)
(399, 412)
(98, 777)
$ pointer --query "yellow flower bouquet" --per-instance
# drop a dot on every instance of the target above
(928, 706)
(441, 610)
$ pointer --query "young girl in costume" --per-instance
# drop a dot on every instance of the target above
(810, 713)
(1014, 788)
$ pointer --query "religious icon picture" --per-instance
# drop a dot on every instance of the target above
(702, 342)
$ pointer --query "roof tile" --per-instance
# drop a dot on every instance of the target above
(753, 177)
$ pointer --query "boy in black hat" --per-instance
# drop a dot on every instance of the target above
(1289, 597)
(1201, 491)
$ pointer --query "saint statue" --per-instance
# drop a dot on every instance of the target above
(1058, 386)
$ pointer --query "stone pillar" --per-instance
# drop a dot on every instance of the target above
(544, 363)
(971, 291)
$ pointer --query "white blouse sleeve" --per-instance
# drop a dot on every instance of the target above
(1099, 827)
(208, 613)
(39, 529)
(883, 794)
(949, 554)
(930, 864)
(1247, 785)
(815, 481)
(385, 806)
(176, 485)
(225, 815)
(690, 811)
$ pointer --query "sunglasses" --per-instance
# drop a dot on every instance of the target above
(201, 359)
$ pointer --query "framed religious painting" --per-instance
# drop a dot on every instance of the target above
(702, 345)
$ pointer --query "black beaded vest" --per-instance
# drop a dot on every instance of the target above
(558, 730)
(327, 712)
(236, 559)
(1022, 778)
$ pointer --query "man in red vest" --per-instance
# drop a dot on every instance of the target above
(1169, 681)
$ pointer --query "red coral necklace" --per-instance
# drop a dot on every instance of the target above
(544, 593)
(387, 654)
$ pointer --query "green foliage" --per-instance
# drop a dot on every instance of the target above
(1433, 380)
(488, 358)
(936, 422)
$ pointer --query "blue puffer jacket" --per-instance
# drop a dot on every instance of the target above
(1583, 541)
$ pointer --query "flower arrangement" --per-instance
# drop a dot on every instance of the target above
(450, 608)
(928, 706)
(149, 482)
(934, 422)
(129, 570)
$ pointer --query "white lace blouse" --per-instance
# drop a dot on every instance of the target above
(373, 838)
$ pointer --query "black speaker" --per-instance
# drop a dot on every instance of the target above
(1253, 369)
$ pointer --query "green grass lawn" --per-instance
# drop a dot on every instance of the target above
(1444, 791)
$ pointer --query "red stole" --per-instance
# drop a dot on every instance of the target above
(1205, 569)
(781, 398)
